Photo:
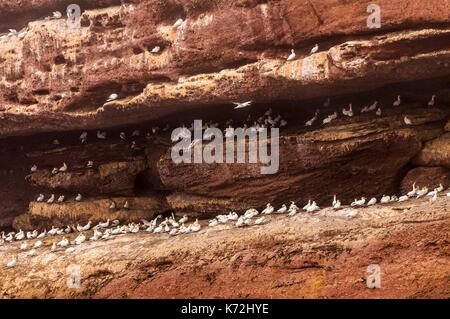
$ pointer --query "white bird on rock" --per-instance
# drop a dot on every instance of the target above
(372, 201)
(358, 202)
(313, 207)
(291, 56)
(79, 197)
(112, 97)
(403, 198)
(90, 164)
(178, 23)
(312, 120)
(268, 210)
(51, 199)
(63, 242)
(33, 169)
(282, 210)
(413, 191)
(432, 101)
(63, 168)
(37, 244)
(80, 239)
(315, 49)
(101, 135)
(156, 49)
(378, 112)
(61, 199)
(57, 15)
(407, 120)
(348, 112)
(398, 101)
(11, 263)
(40, 198)
(261, 220)
(55, 171)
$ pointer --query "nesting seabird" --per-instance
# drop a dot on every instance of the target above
(398, 101)
(79, 197)
(61, 199)
(291, 56)
(112, 97)
(40, 198)
(63, 168)
(156, 49)
(51, 199)
(101, 135)
(315, 49)
(432, 101)
(33, 169)
(57, 15)
(407, 120)
(178, 23)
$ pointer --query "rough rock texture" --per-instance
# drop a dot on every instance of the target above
(435, 152)
(324, 255)
(59, 79)
(430, 177)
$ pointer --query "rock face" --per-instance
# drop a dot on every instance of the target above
(435, 152)
(429, 177)
(324, 255)
(57, 78)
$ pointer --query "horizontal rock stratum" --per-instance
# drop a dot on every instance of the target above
(59, 79)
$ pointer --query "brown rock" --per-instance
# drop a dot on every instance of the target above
(96, 210)
(435, 152)
(341, 159)
(447, 126)
(108, 178)
(429, 177)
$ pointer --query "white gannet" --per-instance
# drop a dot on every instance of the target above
(37, 244)
(315, 49)
(33, 169)
(80, 239)
(112, 205)
(70, 250)
(123, 136)
(282, 209)
(240, 105)
(83, 136)
(250, 213)
(182, 220)
(79, 197)
(63, 242)
(240, 221)
(101, 135)
(32, 235)
(178, 23)
(334, 200)
(22, 34)
(440, 188)
(403, 198)
(173, 232)
(232, 216)
(268, 210)
(359, 202)
(313, 207)
(195, 227)
(32, 253)
(261, 220)
(24, 246)
(313, 119)
(398, 101)
(291, 56)
(158, 229)
(43, 234)
(213, 222)
(365, 109)
(432, 101)
(11, 263)
(422, 192)
(348, 112)
(407, 120)
(104, 224)
(372, 201)
(12, 32)
(87, 226)
(20, 235)
(292, 211)
(60, 231)
(40, 198)
(155, 49)
(112, 97)
(126, 205)
(413, 191)
(373, 107)
(52, 231)
(57, 15)
(434, 198)
(68, 229)
(55, 171)
(61, 199)
(90, 164)
(307, 205)
(248, 221)
(292, 206)
(378, 112)
(337, 204)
